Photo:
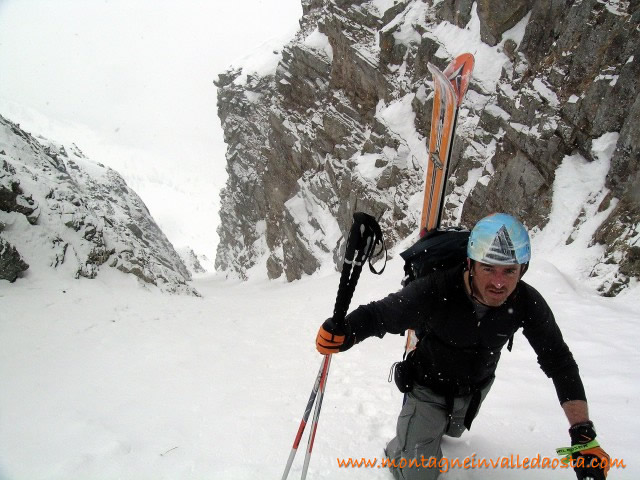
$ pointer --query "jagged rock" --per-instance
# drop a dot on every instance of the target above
(425, 53)
(510, 47)
(305, 82)
(11, 263)
(342, 125)
(517, 188)
(457, 12)
(12, 198)
(498, 16)
(355, 68)
(391, 52)
(308, 6)
(618, 234)
(548, 18)
(66, 212)
(624, 176)
(191, 260)
(596, 68)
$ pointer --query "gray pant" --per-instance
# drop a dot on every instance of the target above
(421, 425)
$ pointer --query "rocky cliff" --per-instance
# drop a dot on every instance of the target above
(60, 211)
(342, 123)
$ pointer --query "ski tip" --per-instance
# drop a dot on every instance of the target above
(442, 84)
(458, 72)
(461, 64)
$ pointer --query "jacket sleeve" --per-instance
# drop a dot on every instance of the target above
(554, 356)
(393, 314)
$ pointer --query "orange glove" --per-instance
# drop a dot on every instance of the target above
(332, 338)
(593, 462)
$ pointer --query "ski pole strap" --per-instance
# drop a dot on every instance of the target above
(567, 452)
(365, 235)
(383, 247)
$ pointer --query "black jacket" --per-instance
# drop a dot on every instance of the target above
(456, 349)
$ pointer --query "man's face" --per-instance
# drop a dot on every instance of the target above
(492, 284)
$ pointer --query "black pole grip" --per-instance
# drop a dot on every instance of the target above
(364, 235)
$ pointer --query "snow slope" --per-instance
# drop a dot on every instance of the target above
(101, 380)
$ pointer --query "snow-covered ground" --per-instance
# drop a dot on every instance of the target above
(102, 379)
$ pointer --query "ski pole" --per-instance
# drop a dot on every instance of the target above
(359, 248)
(305, 418)
(364, 236)
(316, 414)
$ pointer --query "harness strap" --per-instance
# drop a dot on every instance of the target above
(449, 398)
(474, 406)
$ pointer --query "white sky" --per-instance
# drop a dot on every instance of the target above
(130, 82)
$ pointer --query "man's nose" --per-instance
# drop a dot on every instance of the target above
(498, 279)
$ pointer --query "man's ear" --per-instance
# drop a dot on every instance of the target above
(468, 264)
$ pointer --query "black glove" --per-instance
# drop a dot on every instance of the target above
(333, 338)
(592, 463)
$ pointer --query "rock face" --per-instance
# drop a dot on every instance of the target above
(192, 261)
(60, 210)
(574, 79)
(342, 123)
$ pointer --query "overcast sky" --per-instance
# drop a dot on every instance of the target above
(130, 81)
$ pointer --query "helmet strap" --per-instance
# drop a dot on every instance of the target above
(470, 264)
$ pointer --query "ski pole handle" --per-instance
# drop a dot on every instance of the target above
(365, 233)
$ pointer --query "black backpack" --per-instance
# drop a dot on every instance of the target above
(436, 250)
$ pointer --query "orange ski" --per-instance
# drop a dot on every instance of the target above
(450, 88)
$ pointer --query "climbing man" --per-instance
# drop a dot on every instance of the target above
(463, 317)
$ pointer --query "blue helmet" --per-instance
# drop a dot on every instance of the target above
(499, 239)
